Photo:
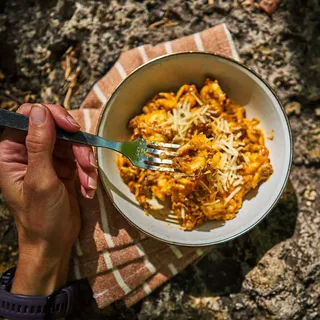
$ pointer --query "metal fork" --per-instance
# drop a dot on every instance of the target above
(137, 151)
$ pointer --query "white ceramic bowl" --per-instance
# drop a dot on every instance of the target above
(243, 86)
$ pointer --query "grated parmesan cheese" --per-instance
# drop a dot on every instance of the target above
(183, 213)
(232, 194)
(205, 186)
(245, 158)
(197, 98)
(211, 203)
(226, 142)
(182, 118)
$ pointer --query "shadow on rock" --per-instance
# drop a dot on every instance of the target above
(301, 36)
(223, 270)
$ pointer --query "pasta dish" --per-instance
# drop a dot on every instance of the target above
(222, 155)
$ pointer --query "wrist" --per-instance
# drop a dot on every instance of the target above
(39, 274)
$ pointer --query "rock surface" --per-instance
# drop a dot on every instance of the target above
(272, 272)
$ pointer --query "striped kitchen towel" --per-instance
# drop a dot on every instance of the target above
(120, 262)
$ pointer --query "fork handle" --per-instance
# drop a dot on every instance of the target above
(21, 122)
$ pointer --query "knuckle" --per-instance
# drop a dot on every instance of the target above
(32, 184)
(5, 151)
(37, 186)
(35, 144)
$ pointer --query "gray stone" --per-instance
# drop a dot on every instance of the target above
(273, 271)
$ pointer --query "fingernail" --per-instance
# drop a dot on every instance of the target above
(92, 183)
(73, 122)
(90, 194)
(37, 114)
(92, 160)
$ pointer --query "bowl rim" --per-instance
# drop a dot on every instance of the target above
(145, 65)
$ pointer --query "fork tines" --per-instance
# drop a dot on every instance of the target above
(158, 168)
(160, 149)
(160, 152)
(158, 160)
(163, 145)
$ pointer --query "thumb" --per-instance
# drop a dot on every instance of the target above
(40, 144)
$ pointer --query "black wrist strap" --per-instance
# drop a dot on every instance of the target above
(16, 307)
(21, 307)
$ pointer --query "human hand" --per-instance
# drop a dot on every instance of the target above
(37, 179)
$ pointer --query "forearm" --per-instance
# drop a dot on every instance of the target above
(38, 274)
